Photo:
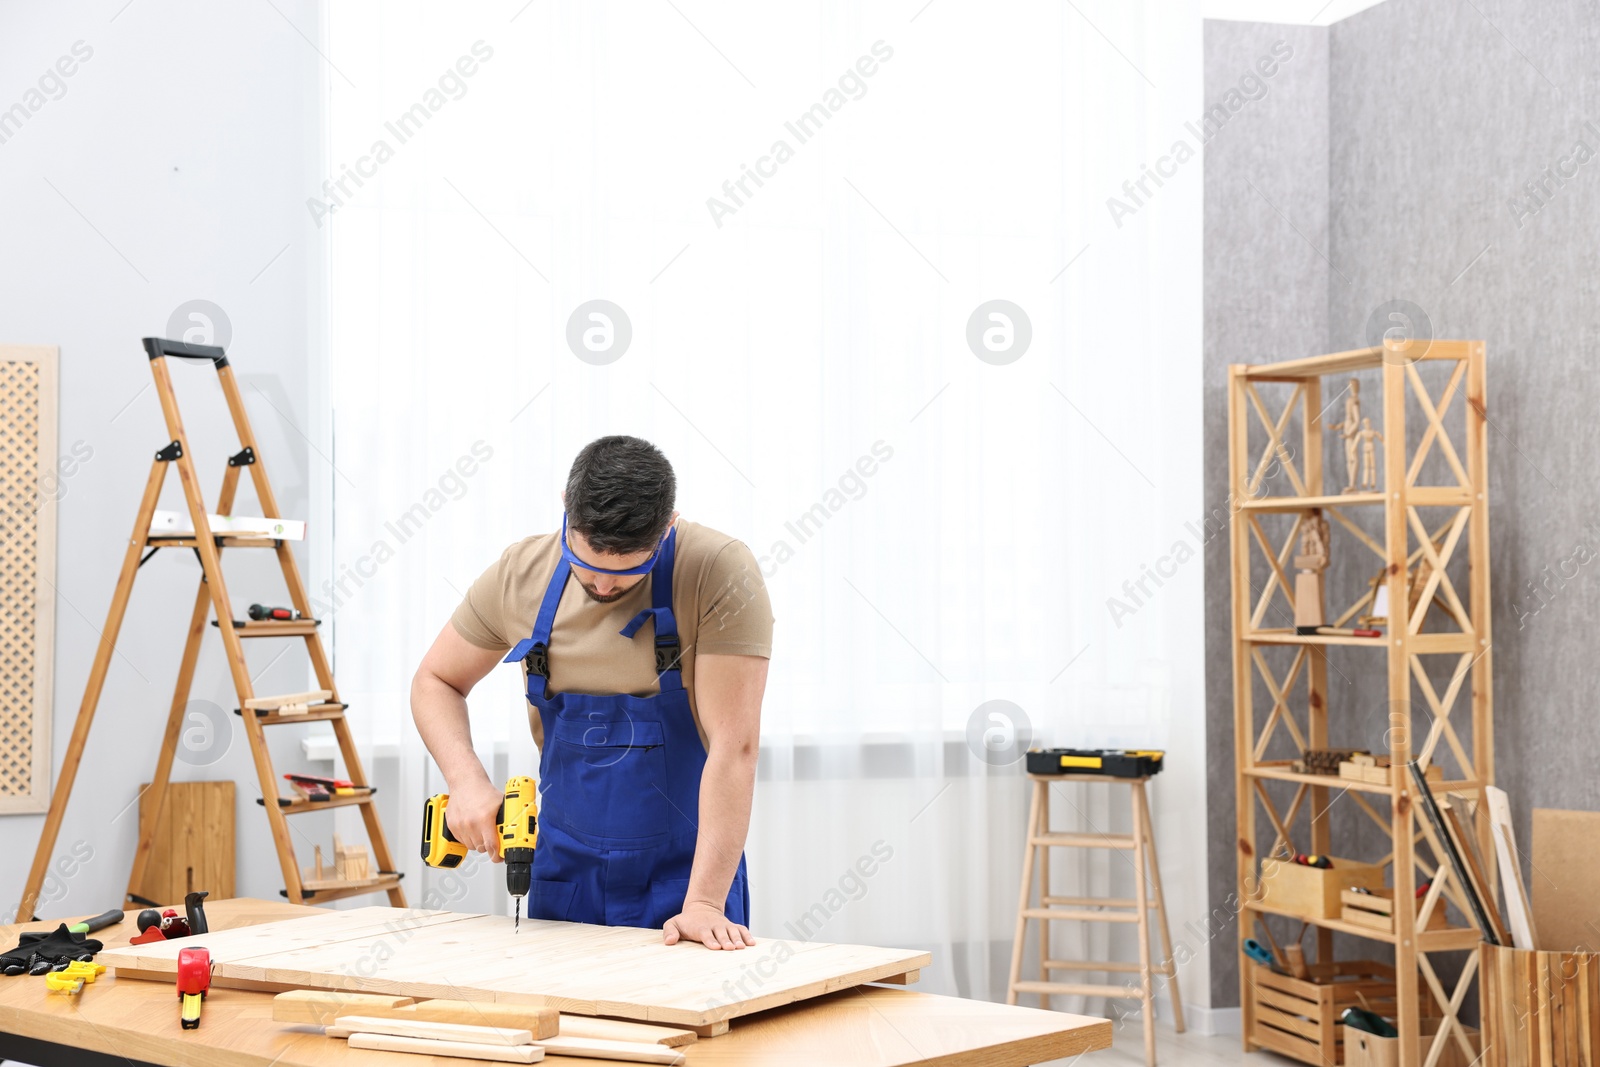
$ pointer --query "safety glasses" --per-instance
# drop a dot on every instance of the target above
(568, 555)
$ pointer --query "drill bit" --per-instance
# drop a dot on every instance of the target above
(516, 923)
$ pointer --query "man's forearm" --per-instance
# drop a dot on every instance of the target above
(440, 713)
(727, 787)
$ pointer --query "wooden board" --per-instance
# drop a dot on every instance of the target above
(345, 1025)
(316, 1007)
(1566, 878)
(193, 845)
(598, 1049)
(31, 483)
(620, 1030)
(579, 969)
(462, 1049)
(1508, 859)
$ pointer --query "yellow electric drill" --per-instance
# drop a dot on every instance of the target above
(518, 821)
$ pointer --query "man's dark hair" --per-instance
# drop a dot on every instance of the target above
(620, 495)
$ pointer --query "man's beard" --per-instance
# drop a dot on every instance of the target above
(607, 598)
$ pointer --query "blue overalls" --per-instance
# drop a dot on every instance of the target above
(619, 782)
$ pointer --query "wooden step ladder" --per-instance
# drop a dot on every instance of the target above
(257, 713)
(1140, 846)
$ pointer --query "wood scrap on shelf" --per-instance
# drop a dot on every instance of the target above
(289, 703)
(1458, 817)
(1523, 931)
(1325, 760)
(350, 870)
(1363, 767)
(1447, 854)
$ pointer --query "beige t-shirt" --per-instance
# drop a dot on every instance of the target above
(718, 598)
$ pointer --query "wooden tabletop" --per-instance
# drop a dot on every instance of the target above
(871, 1026)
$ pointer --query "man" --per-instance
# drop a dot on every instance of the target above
(644, 642)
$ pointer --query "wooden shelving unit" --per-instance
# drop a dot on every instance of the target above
(1435, 660)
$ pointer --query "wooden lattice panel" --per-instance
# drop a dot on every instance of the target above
(27, 572)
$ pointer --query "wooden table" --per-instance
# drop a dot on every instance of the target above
(128, 1021)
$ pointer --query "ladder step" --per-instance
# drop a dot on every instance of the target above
(1066, 915)
(1097, 965)
(220, 540)
(313, 713)
(385, 881)
(1072, 989)
(275, 628)
(1082, 840)
(297, 805)
(1096, 902)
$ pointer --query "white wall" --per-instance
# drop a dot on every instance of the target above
(173, 166)
(191, 140)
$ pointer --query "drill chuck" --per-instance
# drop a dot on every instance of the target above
(519, 871)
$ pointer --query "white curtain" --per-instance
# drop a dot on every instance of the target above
(938, 530)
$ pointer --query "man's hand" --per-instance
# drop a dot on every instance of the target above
(472, 816)
(706, 924)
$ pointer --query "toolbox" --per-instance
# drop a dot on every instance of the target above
(1116, 762)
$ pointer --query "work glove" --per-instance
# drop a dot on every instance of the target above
(56, 947)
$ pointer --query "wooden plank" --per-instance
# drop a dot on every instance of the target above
(586, 970)
(466, 1051)
(1566, 883)
(909, 978)
(598, 1049)
(1505, 848)
(541, 1022)
(345, 1025)
(319, 1007)
(192, 846)
(619, 1030)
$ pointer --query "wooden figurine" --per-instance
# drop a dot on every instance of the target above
(1310, 564)
(1350, 431)
(1369, 455)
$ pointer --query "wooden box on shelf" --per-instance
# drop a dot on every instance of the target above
(1376, 909)
(1313, 892)
(1375, 770)
(1369, 1050)
(1299, 1017)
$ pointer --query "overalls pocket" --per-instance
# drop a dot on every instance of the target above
(610, 779)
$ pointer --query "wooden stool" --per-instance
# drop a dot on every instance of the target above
(1141, 842)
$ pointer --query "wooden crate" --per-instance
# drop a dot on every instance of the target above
(193, 844)
(1376, 909)
(1300, 1017)
(1539, 1009)
(1369, 1050)
(1313, 892)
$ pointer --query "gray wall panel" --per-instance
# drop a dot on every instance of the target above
(1438, 116)
(1266, 285)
